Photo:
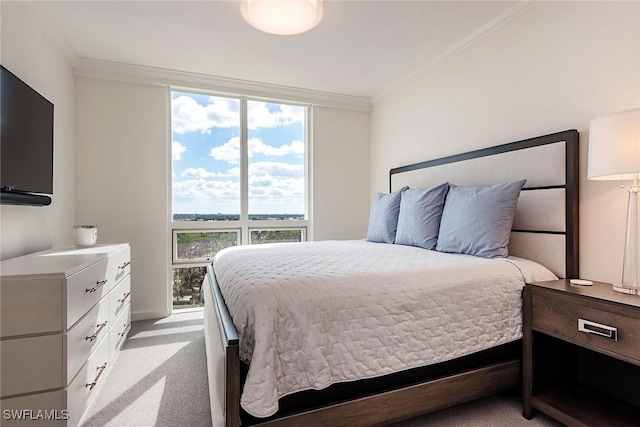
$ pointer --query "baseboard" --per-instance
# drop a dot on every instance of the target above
(149, 314)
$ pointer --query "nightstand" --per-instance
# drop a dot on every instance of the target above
(581, 354)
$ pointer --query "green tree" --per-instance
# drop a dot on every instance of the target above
(187, 285)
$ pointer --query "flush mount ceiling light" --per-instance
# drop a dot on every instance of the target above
(282, 17)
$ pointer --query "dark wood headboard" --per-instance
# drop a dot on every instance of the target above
(546, 224)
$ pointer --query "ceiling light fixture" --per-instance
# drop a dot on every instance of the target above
(282, 17)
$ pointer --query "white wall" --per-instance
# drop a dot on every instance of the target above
(555, 67)
(122, 177)
(340, 174)
(121, 180)
(29, 55)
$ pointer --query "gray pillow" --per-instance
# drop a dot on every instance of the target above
(477, 220)
(419, 218)
(383, 217)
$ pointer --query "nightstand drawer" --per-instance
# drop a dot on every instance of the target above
(603, 330)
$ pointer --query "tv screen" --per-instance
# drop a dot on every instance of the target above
(26, 137)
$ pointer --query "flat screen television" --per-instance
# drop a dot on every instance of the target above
(26, 143)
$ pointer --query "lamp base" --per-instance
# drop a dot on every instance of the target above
(630, 283)
(626, 290)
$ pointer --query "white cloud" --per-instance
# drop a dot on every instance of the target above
(276, 169)
(274, 187)
(260, 116)
(177, 150)
(276, 182)
(204, 174)
(230, 150)
(257, 146)
(190, 116)
(217, 192)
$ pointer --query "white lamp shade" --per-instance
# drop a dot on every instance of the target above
(282, 17)
(614, 146)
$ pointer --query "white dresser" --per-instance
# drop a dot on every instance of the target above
(64, 314)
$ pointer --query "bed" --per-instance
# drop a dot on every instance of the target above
(280, 374)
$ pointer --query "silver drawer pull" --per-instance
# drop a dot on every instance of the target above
(100, 370)
(98, 284)
(125, 265)
(125, 330)
(598, 329)
(124, 297)
(100, 327)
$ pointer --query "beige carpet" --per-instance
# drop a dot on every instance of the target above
(160, 379)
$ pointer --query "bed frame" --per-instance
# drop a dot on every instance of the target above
(545, 230)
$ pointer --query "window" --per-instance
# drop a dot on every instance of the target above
(194, 246)
(238, 176)
(187, 285)
(273, 236)
(276, 147)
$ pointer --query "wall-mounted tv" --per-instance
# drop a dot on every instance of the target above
(26, 143)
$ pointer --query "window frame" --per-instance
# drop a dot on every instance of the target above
(303, 231)
(202, 261)
(244, 225)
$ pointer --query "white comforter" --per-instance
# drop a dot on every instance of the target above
(313, 314)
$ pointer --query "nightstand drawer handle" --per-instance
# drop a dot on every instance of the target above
(598, 329)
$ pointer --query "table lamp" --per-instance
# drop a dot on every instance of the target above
(614, 154)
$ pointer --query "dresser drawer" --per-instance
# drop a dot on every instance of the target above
(119, 265)
(31, 305)
(85, 385)
(31, 364)
(84, 337)
(119, 298)
(119, 331)
(84, 289)
(563, 318)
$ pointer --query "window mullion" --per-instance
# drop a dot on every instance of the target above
(244, 173)
(308, 172)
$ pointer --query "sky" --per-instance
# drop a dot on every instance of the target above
(206, 155)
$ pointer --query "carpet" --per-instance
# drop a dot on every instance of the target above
(160, 379)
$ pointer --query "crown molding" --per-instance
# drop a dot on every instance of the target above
(483, 31)
(129, 73)
(50, 33)
(115, 71)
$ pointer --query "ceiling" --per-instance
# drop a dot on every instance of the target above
(361, 48)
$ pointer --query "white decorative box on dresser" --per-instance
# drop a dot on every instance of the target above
(64, 314)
